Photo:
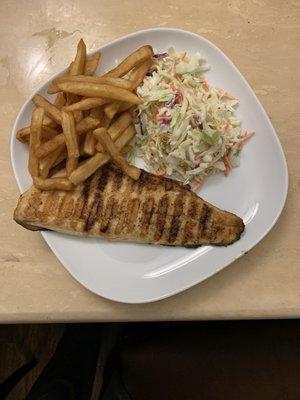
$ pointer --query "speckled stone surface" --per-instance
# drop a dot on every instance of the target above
(262, 38)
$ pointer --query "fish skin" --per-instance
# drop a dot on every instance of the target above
(112, 206)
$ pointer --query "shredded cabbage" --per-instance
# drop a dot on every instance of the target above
(186, 128)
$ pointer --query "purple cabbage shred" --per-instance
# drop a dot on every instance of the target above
(197, 122)
(164, 122)
(170, 103)
(141, 125)
(160, 56)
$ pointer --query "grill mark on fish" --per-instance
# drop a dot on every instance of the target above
(85, 195)
(142, 181)
(204, 218)
(97, 205)
(168, 185)
(215, 230)
(162, 209)
(190, 222)
(151, 184)
(147, 213)
(108, 214)
(133, 213)
(117, 180)
(176, 219)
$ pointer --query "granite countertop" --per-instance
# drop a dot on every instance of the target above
(262, 38)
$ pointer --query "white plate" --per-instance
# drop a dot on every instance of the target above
(256, 191)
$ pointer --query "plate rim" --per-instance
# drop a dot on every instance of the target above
(167, 293)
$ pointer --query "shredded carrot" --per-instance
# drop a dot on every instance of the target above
(182, 55)
(160, 172)
(173, 67)
(198, 185)
(227, 164)
(160, 117)
(205, 86)
(164, 137)
(245, 138)
(227, 95)
(223, 128)
(154, 114)
(187, 84)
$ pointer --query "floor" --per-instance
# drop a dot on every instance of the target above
(207, 361)
(20, 344)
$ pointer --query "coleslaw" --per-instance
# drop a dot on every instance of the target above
(186, 129)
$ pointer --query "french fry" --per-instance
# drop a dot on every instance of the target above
(136, 58)
(106, 141)
(106, 121)
(101, 80)
(48, 162)
(125, 107)
(116, 108)
(71, 99)
(62, 173)
(78, 115)
(136, 78)
(88, 89)
(23, 134)
(50, 109)
(85, 125)
(52, 183)
(97, 113)
(89, 166)
(52, 88)
(50, 146)
(91, 64)
(69, 131)
(77, 67)
(63, 155)
(139, 72)
(71, 139)
(35, 140)
(47, 133)
(89, 144)
(87, 104)
(49, 122)
(60, 100)
(71, 164)
(112, 109)
(116, 129)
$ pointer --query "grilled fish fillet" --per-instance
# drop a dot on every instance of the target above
(111, 205)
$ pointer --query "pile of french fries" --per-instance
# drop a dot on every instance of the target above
(88, 124)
